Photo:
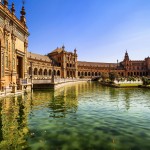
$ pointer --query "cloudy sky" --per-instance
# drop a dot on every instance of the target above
(101, 30)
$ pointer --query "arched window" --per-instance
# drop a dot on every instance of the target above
(67, 73)
(50, 72)
(35, 71)
(78, 73)
(45, 72)
(40, 72)
(58, 73)
(54, 72)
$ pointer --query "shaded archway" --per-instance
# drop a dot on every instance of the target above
(54, 72)
(58, 73)
(50, 72)
(78, 73)
(40, 72)
(35, 71)
(45, 72)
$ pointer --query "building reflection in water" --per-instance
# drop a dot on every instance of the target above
(16, 113)
(13, 123)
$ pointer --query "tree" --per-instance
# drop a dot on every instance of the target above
(105, 76)
(146, 81)
(113, 76)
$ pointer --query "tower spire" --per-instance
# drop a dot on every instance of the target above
(13, 8)
(22, 18)
(126, 57)
(5, 3)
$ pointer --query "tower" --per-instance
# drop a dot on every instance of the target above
(126, 57)
(13, 47)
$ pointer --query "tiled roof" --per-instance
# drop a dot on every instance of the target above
(84, 63)
(38, 57)
(57, 50)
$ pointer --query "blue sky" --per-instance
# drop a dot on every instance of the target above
(101, 30)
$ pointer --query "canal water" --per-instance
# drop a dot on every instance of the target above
(84, 116)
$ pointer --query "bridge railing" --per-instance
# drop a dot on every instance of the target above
(64, 80)
(41, 81)
(57, 80)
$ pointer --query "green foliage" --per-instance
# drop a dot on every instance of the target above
(131, 78)
(146, 81)
(105, 76)
(113, 76)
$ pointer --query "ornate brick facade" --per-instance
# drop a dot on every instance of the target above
(13, 46)
(64, 64)
(19, 64)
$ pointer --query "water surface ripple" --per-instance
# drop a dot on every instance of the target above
(85, 116)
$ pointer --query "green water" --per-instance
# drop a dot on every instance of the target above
(85, 116)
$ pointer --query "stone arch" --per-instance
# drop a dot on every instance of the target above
(140, 73)
(35, 71)
(50, 72)
(54, 72)
(58, 72)
(85, 73)
(78, 73)
(40, 71)
(82, 73)
(89, 74)
(45, 72)
(67, 73)
(95, 73)
(92, 73)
